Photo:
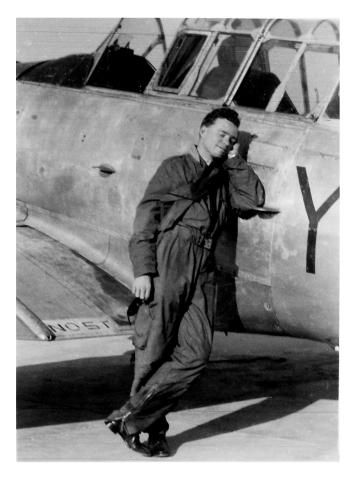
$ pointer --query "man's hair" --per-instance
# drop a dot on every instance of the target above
(223, 112)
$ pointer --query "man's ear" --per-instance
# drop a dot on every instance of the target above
(202, 130)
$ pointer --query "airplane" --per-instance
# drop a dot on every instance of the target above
(93, 128)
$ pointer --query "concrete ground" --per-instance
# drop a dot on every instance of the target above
(261, 398)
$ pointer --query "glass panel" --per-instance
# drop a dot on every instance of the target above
(296, 93)
(138, 34)
(141, 35)
(308, 86)
(180, 60)
(238, 24)
(203, 23)
(322, 70)
(123, 64)
(333, 110)
(327, 31)
(323, 30)
(248, 24)
(264, 76)
(223, 66)
(291, 28)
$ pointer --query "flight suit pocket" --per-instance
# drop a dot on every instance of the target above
(142, 326)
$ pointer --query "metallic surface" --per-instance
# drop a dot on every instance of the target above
(68, 199)
(283, 268)
(32, 322)
(63, 296)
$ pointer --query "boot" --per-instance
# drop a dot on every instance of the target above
(157, 444)
(131, 440)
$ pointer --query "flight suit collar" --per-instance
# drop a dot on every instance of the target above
(193, 151)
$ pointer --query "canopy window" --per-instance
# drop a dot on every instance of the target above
(180, 60)
(230, 51)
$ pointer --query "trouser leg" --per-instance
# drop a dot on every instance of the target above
(173, 377)
(160, 426)
(179, 263)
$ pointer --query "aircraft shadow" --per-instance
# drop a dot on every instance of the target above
(89, 389)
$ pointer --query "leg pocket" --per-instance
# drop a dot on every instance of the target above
(142, 326)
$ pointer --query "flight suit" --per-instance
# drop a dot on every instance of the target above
(175, 229)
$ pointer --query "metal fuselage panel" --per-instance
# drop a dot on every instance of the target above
(64, 134)
(305, 258)
(290, 159)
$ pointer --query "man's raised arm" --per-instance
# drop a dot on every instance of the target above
(246, 190)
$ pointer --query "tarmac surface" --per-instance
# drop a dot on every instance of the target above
(261, 398)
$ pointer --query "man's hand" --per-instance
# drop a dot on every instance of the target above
(142, 287)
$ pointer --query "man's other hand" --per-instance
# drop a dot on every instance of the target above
(142, 287)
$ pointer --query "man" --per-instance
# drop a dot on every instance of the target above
(175, 229)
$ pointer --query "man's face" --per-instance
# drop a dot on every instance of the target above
(218, 139)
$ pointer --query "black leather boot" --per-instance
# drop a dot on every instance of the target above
(157, 443)
(131, 440)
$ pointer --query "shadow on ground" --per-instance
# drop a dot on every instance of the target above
(88, 389)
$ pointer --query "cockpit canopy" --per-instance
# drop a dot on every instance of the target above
(287, 66)
(284, 65)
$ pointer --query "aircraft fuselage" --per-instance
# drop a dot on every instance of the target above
(85, 157)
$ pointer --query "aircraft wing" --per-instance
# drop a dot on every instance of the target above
(61, 295)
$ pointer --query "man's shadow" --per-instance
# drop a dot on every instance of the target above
(88, 389)
(268, 410)
(278, 386)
